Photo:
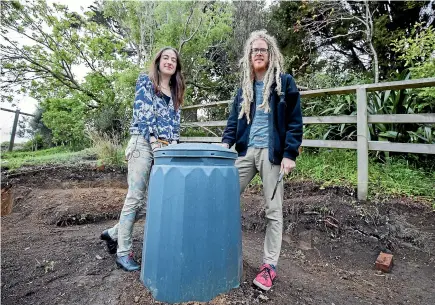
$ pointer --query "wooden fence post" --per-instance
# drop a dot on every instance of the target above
(362, 143)
(14, 129)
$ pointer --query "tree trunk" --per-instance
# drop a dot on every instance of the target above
(369, 32)
(375, 62)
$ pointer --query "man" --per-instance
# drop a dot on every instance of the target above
(265, 124)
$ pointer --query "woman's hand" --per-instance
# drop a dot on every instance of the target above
(155, 145)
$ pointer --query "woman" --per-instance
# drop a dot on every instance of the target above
(156, 123)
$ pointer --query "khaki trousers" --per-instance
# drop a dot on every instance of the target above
(257, 161)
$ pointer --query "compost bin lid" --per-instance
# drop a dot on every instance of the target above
(195, 150)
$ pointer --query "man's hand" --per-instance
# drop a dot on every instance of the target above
(287, 165)
(224, 145)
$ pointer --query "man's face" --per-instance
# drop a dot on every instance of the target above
(259, 55)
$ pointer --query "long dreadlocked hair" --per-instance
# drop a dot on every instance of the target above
(273, 72)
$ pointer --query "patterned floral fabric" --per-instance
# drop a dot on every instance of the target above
(151, 113)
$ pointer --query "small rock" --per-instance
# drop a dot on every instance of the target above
(98, 257)
(373, 239)
(136, 299)
(263, 297)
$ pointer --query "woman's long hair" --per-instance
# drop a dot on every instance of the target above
(272, 75)
(176, 82)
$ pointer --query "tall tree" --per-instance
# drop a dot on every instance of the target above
(57, 57)
(299, 53)
(54, 46)
(133, 21)
(199, 30)
(418, 54)
(360, 32)
(395, 20)
(343, 21)
(249, 16)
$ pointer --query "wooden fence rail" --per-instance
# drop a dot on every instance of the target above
(362, 119)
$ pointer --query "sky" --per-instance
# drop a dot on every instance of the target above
(26, 103)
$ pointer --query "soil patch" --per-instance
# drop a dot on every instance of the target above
(51, 252)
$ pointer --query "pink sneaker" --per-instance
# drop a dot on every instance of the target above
(265, 278)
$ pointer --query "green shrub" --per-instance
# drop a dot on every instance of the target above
(108, 148)
(36, 143)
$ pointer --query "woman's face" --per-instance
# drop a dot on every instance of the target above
(168, 62)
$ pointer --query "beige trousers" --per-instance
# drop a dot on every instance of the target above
(257, 161)
(140, 157)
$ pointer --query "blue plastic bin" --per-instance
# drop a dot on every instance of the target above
(192, 248)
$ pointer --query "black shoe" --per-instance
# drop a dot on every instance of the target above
(112, 244)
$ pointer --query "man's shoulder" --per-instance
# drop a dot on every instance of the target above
(289, 82)
(239, 94)
(286, 76)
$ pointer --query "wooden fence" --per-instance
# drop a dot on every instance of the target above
(362, 119)
(15, 124)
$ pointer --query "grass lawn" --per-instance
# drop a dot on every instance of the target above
(339, 167)
(327, 166)
(56, 155)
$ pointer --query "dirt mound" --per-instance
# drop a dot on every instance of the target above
(51, 252)
(68, 177)
(337, 214)
(65, 207)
